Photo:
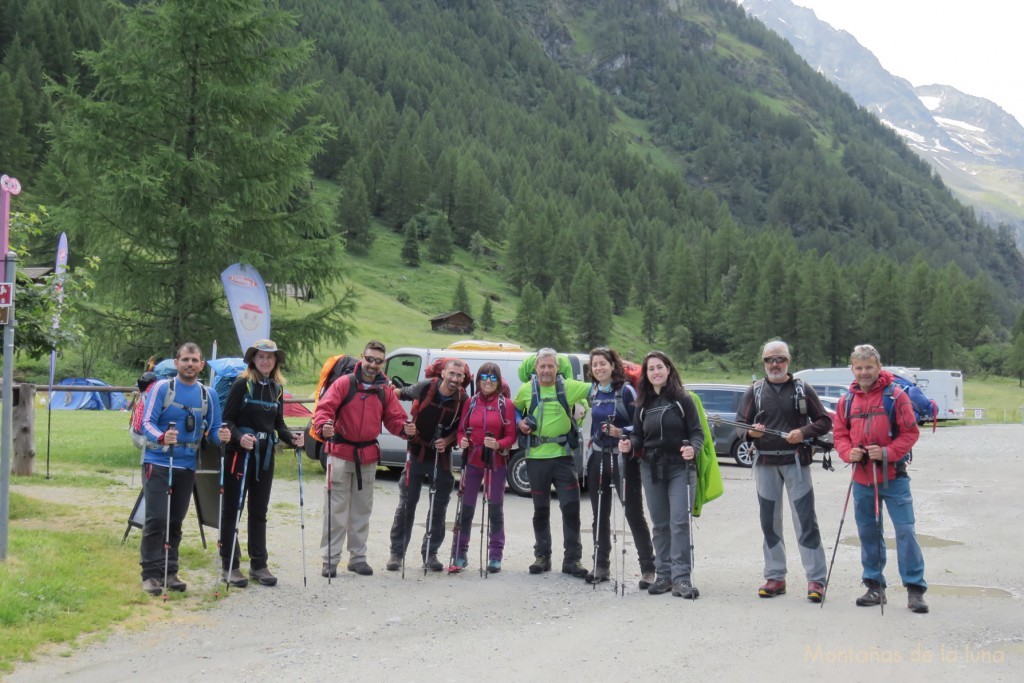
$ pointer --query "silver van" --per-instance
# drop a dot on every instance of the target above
(408, 365)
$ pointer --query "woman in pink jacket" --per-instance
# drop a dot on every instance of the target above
(486, 434)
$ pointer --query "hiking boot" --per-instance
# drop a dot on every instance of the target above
(152, 586)
(815, 591)
(361, 568)
(494, 566)
(235, 578)
(540, 564)
(458, 565)
(771, 588)
(874, 596)
(684, 589)
(575, 569)
(394, 563)
(915, 600)
(329, 571)
(176, 584)
(659, 586)
(646, 579)
(434, 564)
(599, 575)
(262, 576)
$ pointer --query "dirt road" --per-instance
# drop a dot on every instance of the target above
(514, 626)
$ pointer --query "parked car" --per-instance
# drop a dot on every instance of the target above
(723, 400)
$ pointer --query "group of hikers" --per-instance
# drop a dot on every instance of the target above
(649, 440)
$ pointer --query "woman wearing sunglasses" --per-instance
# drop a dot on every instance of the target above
(254, 412)
(486, 434)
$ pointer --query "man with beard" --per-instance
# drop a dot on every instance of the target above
(783, 404)
(436, 414)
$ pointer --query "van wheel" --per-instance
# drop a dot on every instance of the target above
(518, 479)
(743, 452)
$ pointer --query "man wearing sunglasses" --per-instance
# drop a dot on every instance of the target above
(349, 428)
(780, 403)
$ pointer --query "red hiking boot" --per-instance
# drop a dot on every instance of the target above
(815, 591)
(771, 588)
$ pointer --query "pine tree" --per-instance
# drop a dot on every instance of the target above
(411, 246)
(439, 241)
(550, 330)
(529, 312)
(591, 307)
(487, 317)
(460, 299)
(187, 158)
(652, 318)
(354, 212)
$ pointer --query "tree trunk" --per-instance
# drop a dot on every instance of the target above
(23, 421)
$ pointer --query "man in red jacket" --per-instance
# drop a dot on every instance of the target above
(350, 422)
(875, 432)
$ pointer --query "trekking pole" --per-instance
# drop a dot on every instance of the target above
(599, 512)
(620, 562)
(167, 523)
(487, 455)
(881, 538)
(457, 529)
(238, 520)
(220, 515)
(690, 465)
(330, 554)
(405, 510)
(430, 508)
(302, 515)
(842, 519)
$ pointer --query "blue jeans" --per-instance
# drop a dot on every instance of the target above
(900, 504)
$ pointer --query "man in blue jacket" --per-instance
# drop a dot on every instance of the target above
(194, 410)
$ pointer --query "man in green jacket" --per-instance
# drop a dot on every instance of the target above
(550, 423)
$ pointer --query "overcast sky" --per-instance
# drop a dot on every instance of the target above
(976, 46)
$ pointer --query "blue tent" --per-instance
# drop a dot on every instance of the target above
(86, 400)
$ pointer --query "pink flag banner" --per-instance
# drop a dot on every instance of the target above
(248, 302)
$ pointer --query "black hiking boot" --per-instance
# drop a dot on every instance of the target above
(599, 575)
(874, 596)
(575, 569)
(540, 564)
(685, 589)
(394, 563)
(915, 600)
(660, 586)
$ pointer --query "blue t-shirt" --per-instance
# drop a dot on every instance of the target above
(187, 401)
(602, 409)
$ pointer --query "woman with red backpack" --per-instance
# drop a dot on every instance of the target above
(487, 432)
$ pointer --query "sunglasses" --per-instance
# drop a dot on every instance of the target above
(372, 360)
(777, 360)
(488, 378)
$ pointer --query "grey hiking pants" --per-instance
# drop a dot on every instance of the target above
(769, 481)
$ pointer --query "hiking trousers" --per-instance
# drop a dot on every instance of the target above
(670, 518)
(409, 489)
(154, 529)
(770, 480)
(626, 473)
(560, 471)
(347, 509)
(900, 504)
(472, 477)
(257, 501)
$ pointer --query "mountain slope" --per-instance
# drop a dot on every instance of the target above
(975, 146)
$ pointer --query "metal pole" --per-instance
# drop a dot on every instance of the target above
(7, 414)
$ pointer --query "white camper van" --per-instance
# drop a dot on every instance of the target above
(946, 388)
(409, 365)
(844, 376)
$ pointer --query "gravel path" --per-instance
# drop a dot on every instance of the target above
(514, 626)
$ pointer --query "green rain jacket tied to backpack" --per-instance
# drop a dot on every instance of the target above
(709, 479)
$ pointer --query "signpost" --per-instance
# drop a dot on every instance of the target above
(8, 188)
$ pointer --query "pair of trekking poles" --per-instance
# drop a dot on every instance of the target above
(487, 456)
(878, 526)
(406, 523)
(619, 558)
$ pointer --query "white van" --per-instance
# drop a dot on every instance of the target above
(409, 364)
(946, 388)
(844, 376)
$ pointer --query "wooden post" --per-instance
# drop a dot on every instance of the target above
(23, 420)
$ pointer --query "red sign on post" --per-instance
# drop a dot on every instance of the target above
(6, 293)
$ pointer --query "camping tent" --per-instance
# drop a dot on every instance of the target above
(86, 400)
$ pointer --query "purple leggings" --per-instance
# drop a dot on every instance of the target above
(472, 478)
